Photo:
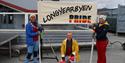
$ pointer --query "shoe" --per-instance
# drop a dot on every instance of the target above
(26, 60)
(35, 60)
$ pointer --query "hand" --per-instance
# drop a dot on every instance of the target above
(72, 55)
(62, 61)
(72, 58)
(39, 33)
(63, 58)
(40, 29)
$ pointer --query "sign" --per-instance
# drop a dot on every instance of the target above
(66, 12)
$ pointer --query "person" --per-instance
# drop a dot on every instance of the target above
(70, 49)
(101, 29)
(32, 33)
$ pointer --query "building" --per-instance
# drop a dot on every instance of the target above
(121, 19)
(11, 20)
(111, 17)
(14, 15)
(115, 17)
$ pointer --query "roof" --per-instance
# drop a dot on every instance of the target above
(15, 7)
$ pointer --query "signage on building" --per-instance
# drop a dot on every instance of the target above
(66, 12)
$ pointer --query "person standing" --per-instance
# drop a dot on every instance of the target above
(32, 33)
(101, 29)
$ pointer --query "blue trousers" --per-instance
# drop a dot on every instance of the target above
(33, 48)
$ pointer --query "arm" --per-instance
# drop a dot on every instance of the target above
(76, 48)
(29, 31)
(62, 51)
(40, 28)
(105, 29)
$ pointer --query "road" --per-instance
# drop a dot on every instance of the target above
(115, 54)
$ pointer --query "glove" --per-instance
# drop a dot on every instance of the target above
(63, 58)
(72, 55)
(72, 58)
(62, 61)
(40, 29)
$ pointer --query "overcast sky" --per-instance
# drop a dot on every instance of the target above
(32, 4)
(109, 3)
(106, 3)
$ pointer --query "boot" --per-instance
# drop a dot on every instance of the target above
(26, 60)
(35, 60)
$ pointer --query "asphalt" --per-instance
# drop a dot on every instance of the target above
(115, 53)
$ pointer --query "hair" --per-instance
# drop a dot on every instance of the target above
(69, 33)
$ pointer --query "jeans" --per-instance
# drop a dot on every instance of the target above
(67, 60)
(33, 48)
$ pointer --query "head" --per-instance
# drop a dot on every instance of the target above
(102, 19)
(32, 18)
(69, 35)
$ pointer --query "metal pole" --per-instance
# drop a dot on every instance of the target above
(10, 49)
(39, 49)
(92, 48)
(40, 52)
(117, 22)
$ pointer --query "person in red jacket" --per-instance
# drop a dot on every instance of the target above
(101, 29)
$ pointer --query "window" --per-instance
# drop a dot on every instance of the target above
(10, 19)
(65, 27)
(4, 19)
(55, 0)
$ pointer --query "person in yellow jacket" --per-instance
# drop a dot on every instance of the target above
(70, 47)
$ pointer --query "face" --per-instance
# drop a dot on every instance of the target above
(101, 21)
(69, 36)
(32, 18)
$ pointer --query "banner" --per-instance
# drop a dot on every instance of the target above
(66, 12)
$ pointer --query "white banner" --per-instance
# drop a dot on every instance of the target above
(66, 12)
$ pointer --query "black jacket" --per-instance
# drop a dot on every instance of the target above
(101, 31)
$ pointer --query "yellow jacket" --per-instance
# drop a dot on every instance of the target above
(75, 49)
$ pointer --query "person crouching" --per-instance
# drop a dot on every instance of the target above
(70, 49)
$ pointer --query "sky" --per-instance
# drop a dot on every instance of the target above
(104, 3)
(109, 3)
(32, 4)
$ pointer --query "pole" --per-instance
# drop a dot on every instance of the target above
(39, 50)
(39, 42)
(92, 49)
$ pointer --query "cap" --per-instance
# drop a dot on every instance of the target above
(32, 15)
(103, 16)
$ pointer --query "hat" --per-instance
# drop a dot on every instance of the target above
(32, 15)
(103, 16)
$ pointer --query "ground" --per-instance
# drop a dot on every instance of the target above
(115, 54)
